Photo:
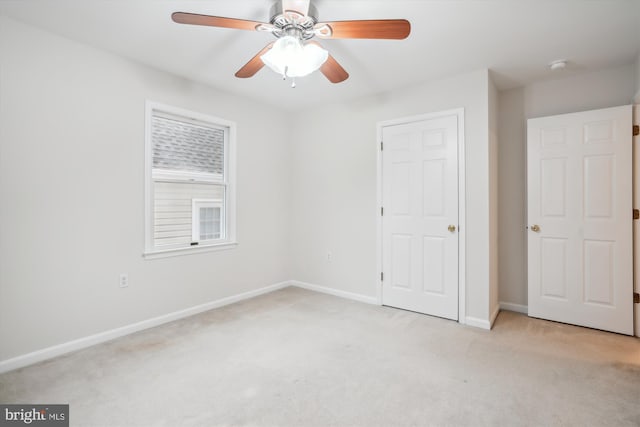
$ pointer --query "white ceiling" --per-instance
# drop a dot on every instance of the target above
(514, 38)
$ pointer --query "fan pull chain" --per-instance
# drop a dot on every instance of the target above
(284, 77)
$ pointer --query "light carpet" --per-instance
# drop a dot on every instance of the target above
(299, 358)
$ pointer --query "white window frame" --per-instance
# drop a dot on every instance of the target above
(196, 204)
(228, 180)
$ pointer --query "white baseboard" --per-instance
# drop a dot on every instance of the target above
(518, 308)
(78, 344)
(483, 323)
(335, 292)
(477, 323)
(60, 349)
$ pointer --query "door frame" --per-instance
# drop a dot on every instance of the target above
(459, 113)
(635, 173)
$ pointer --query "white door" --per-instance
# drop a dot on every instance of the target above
(420, 218)
(580, 219)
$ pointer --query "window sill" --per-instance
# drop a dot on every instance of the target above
(188, 251)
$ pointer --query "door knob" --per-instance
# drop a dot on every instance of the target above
(535, 227)
(451, 228)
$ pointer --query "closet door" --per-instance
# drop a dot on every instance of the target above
(580, 255)
(419, 225)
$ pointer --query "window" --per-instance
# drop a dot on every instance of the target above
(189, 181)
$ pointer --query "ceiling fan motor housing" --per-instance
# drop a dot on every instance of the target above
(293, 23)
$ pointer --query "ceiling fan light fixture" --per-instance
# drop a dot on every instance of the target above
(294, 23)
(291, 58)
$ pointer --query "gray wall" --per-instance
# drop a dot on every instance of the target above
(334, 190)
(72, 194)
(606, 88)
(637, 97)
(494, 181)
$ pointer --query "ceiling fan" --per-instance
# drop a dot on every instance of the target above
(294, 23)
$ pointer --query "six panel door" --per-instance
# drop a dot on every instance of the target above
(579, 185)
(419, 225)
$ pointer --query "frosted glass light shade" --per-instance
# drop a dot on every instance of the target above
(291, 58)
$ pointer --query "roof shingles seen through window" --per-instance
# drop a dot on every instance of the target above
(181, 146)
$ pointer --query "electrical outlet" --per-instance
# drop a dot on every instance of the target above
(329, 256)
(124, 280)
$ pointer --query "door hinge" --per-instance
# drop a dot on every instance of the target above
(636, 214)
(636, 298)
(381, 211)
(636, 130)
(381, 145)
(382, 277)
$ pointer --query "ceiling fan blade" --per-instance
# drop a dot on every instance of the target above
(254, 65)
(333, 71)
(393, 29)
(214, 21)
(300, 6)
